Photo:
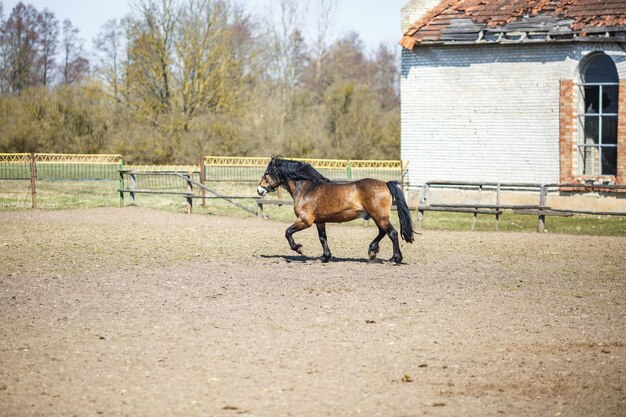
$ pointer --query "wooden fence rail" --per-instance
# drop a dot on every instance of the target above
(189, 193)
(541, 210)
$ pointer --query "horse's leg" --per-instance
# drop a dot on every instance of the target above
(385, 224)
(321, 230)
(374, 248)
(393, 235)
(298, 225)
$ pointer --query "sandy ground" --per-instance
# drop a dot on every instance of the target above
(134, 312)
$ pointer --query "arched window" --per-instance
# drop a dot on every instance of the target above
(597, 142)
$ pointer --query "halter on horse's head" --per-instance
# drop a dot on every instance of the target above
(269, 181)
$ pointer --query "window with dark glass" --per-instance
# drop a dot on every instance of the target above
(597, 144)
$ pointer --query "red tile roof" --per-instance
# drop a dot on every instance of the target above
(483, 21)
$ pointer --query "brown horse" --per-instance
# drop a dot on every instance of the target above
(318, 200)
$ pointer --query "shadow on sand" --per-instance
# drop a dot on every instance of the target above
(308, 259)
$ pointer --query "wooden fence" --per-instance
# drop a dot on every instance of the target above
(158, 179)
(542, 209)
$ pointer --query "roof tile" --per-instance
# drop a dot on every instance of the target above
(448, 22)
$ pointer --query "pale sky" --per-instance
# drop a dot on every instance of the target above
(376, 21)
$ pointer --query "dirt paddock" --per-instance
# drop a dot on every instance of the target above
(135, 312)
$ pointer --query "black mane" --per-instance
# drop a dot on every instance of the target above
(284, 170)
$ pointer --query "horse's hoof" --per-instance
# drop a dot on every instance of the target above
(396, 260)
(298, 248)
(325, 259)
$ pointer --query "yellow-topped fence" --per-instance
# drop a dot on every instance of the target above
(220, 168)
(14, 157)
(36, 167)
(15, 166)
(317, 163)
(54, 166)
(77, 158)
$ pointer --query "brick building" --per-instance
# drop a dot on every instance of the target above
(514, 90)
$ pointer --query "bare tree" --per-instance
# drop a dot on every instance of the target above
(4, 54)
(20, 42)
(210, 64)
(48, 42)
(385, 77)
(74, 65)
(151, 54)
(344, 60)
(288, 49)
(109, 42)
(325, 19)
(198, 39)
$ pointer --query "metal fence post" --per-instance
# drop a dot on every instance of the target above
(33, 180)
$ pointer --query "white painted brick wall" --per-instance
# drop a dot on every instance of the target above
(413, 10)
(487, 112)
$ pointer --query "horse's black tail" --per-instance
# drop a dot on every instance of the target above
(406, 226)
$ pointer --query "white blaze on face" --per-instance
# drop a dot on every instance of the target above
(262, 191)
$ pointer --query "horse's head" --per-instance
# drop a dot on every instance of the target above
(269, 181)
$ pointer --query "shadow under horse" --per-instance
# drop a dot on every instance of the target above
(318, 200)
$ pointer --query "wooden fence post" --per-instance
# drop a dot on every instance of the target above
(189, 193)
(133, 187)
(541, 221)
(33, 180)
(203, 181)
(421, 206)
(498, 209)
(121, 182)
(480, 189)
